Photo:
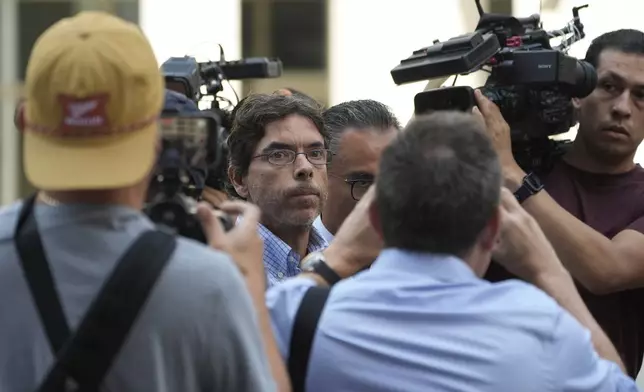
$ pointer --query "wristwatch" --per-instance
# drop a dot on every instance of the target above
(531, 185)
(316, 262)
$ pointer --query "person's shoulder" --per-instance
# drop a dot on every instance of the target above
(524, 305)
(9, 219)
(201, 282)
(638, 173)
(515, 292)
(202, 262)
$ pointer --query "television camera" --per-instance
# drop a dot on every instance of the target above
(201, 80)
(172, 197)
(194, 150)
(531, 81)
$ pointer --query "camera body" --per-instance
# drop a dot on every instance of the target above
(531, 81)
(176, 184)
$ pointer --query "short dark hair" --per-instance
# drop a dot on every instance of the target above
(359, 114)
(625, 40)
(439, 184)
(255, 113)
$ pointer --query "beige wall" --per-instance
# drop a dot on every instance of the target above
(313, 83)
(368, 38)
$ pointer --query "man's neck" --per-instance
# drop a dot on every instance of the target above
(327, 225)
(582, 159)
(121, 197)
(295, 237)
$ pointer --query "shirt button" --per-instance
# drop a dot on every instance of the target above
(280, 275)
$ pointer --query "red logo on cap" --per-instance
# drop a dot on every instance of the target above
(87, 112)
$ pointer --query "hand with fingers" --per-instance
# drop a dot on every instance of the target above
(523, 248)
(245, 246)
(242, 242)
(497, 129)
(356, 244)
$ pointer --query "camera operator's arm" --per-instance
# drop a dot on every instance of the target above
(356, 244)
(245, 247)
(524, 250)
(600, 264)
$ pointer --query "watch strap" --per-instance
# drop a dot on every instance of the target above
(327, 273)
(319, 266)
(531, 185)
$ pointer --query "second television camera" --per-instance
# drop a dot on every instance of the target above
(194, 152)
(202, 80)
(531, 81)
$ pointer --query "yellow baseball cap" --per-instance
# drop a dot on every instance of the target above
(94, 93)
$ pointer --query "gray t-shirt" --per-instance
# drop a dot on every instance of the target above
(197, 332)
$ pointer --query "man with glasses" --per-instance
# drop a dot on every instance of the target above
(278, 160)
(359, 131)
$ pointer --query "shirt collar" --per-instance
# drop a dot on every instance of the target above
(316, 242)
(444, 268)
(324, 232)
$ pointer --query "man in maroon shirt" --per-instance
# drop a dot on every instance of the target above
(592, 207)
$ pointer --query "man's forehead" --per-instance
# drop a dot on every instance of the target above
(295, 131)
(364, 146)
(628, 67)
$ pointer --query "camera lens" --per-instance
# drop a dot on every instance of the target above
(586, 79)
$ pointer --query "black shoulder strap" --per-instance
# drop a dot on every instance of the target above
(304, 327)
(85, 358)
(36, 270)
(88, 356)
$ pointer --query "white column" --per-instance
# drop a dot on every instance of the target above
(9, 138)
(193, 27)
(368, 38)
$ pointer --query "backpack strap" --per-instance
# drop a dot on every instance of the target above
(304, 328)
(83, 360)
(36, 270)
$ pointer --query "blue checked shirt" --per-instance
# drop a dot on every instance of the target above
(280, 261)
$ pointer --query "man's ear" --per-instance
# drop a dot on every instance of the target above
(576, 103)
(235, 177)
(490, 234)
(374, 218)
(19, 115)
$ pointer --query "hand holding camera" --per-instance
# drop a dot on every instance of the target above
(497, 129)
(523, 248)
(241, 242)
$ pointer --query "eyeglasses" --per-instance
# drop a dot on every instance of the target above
(318, 156)
(358, 188)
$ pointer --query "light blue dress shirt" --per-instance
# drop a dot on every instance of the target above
(280, 261)
(324, 232)
(417, 322)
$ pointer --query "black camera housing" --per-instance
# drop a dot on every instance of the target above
(530, 81)
(187, 141)
(189, 77)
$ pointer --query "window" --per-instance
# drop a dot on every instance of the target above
(503, 7)
(34, 18)
(293, 30)
(299, 33)
(127, 9)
